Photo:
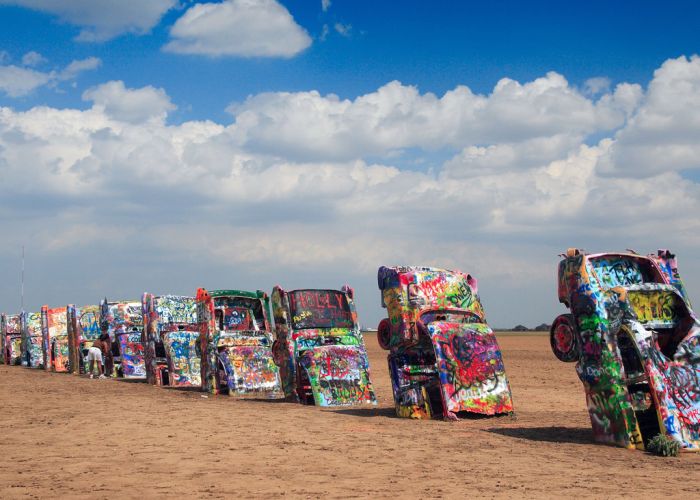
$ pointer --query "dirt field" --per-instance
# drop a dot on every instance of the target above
(66, 435)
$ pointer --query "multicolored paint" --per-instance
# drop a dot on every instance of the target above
(636, 344)
(235, 341)
(443, 357)
(319, 348)
(32, 341)
(170, 350)
(123, 322)
(83, 330)
(54, 329)
(11, 335)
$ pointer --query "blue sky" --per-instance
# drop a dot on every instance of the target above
(339, 136)
(433, 45)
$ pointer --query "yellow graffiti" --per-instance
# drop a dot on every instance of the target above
(656, 306)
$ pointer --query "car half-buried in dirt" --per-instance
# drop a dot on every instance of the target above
(11, 330)
(235, 338)
(54, 330)
(443, 357)
(83, 330)
(171, 350)
(319, 347)
(636, 343)
(123, 322)
(33, 354)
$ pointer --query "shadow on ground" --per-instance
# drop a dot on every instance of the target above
(367, 412)
(129, 380)
(575, 435)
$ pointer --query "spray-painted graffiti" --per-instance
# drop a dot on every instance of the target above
(443, 357)
(319, 309)
(634, 338)
(123, 322)
(655, 306)
(236, 344)
(338, 375)
(55, 338)
(176, 309)
(183, 358)
(170, 356)
(615, 271)
(32, 341)
(11, 334)
(470, 365)
(83, 330)
(319, 348)
(131, 350)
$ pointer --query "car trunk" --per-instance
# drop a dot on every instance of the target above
(247, 367)
(183, 360)
(470, 367)
(338, 375)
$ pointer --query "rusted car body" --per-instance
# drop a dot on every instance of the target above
(54, 331)
(83, 330)
(123, 322)
(443, 357)
(319, 348)
(171, 349)
(32, 346)
(636, 344)
(11, 330)
(235, 338)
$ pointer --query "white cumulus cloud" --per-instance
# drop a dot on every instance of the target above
(307, 125)
(290, 192)
(244, 28)
(32, 58)
(130, 105)
(102, 20)
(18, 81)
(663, 133)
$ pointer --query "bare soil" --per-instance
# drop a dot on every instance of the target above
(65, 435)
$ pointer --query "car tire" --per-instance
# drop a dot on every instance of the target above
(563, 338)
(384, 333)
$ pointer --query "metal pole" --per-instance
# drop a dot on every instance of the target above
(22, 278)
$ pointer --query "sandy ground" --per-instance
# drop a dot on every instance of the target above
(65, 435)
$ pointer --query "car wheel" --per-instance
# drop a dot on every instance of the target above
(384, 333)
(563, 338)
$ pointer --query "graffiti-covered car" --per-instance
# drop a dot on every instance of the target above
(123, 322)
(32, 346)
(443, 357)
(83, 330)
(171, 350)
(11, 330)
(236, 344)
(319, 348)
(54, 331)
(636, 344)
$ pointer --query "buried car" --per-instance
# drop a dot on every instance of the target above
(123, 322)
(171, 340)
(11, 331)
(636, 344)
(83, 330)
(54, 330)
(33, 353)
(235, 339)
(443, 357)
(319, 347)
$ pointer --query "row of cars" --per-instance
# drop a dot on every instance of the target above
(303, 345)
(631, 332)
(222, 341)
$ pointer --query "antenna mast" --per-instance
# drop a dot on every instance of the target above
(22, 309)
